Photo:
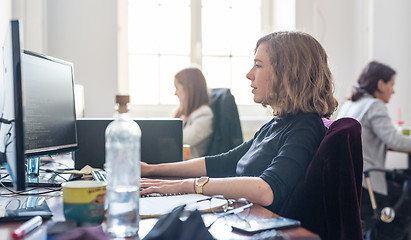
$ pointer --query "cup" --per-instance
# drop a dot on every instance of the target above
(83, 202)
(186, 152)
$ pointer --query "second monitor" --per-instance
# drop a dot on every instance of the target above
(48, 105)
(161, 141)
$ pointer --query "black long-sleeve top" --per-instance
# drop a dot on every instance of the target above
(279, 153)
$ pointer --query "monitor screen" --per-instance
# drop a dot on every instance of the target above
(11, 124)
(48, 105)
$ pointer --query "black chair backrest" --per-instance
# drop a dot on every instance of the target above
(227, 132)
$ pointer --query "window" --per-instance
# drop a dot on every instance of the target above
(217, 35)
(159, 45)
(230, 30)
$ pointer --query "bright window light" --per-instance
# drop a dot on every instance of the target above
(161, 39)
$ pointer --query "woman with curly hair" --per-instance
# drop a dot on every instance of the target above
(291, 75)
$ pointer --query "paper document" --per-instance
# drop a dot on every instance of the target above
(157, 206)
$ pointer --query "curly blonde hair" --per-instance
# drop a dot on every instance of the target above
(302, 80)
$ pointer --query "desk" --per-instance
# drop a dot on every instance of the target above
(391, 151)
(219, 230)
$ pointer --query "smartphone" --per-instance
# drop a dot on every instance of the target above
(263, 224)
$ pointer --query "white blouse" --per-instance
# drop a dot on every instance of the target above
(197, 131)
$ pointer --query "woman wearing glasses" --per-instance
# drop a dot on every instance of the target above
(291, 75)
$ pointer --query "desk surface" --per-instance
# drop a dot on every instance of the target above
(219, 230)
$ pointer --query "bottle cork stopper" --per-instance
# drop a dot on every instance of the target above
(122, 101)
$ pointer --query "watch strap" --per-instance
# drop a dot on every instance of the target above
(199, 184)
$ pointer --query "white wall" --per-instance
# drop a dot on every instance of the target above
(5, 16)
(85, 33)
(341, 27)
(391, 43)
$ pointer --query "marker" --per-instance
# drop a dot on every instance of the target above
(27, 227)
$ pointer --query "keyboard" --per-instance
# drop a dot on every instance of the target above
(99, 176)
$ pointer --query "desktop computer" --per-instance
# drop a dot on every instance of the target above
(38, 111)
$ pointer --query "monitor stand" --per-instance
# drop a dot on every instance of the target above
(44, 179)
(51, 176)
(33, 166)
(47, 179)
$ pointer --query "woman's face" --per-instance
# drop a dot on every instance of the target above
(385, 90)
(179, 91)
(260, 75)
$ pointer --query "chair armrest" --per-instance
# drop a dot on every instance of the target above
(396, 172)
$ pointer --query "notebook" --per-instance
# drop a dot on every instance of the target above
(161, 141)
(157, 206)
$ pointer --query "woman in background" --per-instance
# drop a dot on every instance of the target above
(194, 109)
(290, 74)
(367, 105)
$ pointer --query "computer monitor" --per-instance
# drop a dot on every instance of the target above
(48, 105)
(161, 141)
(49, 114)
(11, 107)
(40, 91)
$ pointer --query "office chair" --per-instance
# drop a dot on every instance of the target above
(327, 200)
(227, 132)
(390, 220)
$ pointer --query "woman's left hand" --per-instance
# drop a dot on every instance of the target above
(162, 186)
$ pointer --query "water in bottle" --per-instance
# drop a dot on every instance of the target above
(123, 151)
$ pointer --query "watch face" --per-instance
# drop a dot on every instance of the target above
(202, 180)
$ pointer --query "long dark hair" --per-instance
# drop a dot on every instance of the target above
(368, 80)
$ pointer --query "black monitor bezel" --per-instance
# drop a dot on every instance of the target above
(19, 180)
(62, 148)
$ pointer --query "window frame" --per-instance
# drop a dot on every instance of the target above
(248, 112)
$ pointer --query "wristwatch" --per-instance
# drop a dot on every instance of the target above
(199, 184)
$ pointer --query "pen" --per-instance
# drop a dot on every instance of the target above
(27, 227)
